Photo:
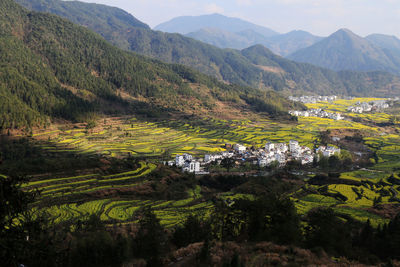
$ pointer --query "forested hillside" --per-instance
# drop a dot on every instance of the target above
(100, 18)
(51, 68)
(255, 67)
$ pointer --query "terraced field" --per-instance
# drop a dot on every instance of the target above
(129, 137)
(76, 198)
(352, 200)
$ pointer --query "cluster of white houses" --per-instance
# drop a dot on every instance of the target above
(313, 99)
(272, 153)
(369, 106)
(316, 113)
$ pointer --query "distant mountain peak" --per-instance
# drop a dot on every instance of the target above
(185, 25)
(345, 33)
(345, 30)
(345, 50)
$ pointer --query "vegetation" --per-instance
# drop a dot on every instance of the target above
(237, 224)
(96, 193)
(59, 70)
(256, 66)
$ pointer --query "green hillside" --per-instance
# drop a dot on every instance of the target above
(51, 68)
(234, 66)
(100, 18)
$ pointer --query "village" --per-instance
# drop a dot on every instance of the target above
(272, 154)
(376, 105)
(320, 113)
(314, 99)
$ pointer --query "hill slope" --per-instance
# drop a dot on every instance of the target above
(234, 66)
(281, 44)
(222, 39)
(345, 50)
(100, 18)
(384, 41)
(187, 24)
(51, 68)
(288, 43)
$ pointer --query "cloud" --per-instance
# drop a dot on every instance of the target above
(213, 8)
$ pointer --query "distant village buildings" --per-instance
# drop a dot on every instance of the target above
(376, 105)
(313, 99)
(272, 153)
(319, 113)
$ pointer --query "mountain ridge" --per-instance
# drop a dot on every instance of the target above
(187, 24)
(233, 66)
(344, 50)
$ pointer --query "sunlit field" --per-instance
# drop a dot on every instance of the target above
(76, 198)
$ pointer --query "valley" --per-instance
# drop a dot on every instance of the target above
(360, 192)
(126, 146)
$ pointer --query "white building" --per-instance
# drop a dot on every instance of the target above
(240, 148)
(280, 158)
(192, 166)
(171, 163)
(262, 162)
(187, 157)
(269, 146)
(293, 146)
(328, 151)
(179, 160)
(281, 148)
(307, 159)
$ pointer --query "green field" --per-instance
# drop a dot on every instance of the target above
(133, 138)
(71, 198)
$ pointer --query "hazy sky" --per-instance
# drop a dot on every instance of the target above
(321, 17)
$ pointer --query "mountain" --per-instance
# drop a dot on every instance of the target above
(288, 43)
(52, 69)
(345, 50)
(281, 44)
(384, 41)
(291, 76)
(225, 32)
(223, 39)
(260, 68)
(188, 24)
(100, 18)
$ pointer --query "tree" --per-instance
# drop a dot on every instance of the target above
(151, 238)
(193, 230)
(326, 230)
(14, 237)
(228, 163)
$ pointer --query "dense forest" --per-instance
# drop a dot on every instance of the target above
(51, 68)
(256, 67)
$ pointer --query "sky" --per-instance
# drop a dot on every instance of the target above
(320, 17)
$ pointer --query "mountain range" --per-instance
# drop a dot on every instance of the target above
(188, 24)
(226, 32)
(256, 67)
(344, 50)
(52, 69)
